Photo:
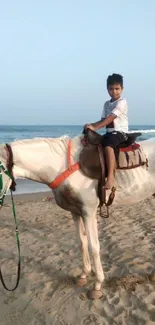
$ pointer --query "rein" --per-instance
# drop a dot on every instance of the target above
(9, 173)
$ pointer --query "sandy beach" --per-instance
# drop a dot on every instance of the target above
(51, 259)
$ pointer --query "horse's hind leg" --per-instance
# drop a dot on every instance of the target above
(90, 222)
(81, 234)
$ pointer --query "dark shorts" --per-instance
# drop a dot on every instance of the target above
(114, 139)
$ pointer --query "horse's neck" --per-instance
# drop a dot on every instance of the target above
(3, 155)
(39, 160)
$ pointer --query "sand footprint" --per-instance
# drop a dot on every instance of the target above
(91, 320)
(59, 320)
(16, 318)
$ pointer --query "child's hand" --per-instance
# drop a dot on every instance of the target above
(90, 126)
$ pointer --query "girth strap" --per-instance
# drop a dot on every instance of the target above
(70, 170)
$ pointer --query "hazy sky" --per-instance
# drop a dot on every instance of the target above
(55, 57)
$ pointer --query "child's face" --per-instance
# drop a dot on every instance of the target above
(115, 91)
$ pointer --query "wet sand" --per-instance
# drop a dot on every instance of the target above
(51, 259)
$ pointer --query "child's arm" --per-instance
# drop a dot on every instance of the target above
(102, 123)
(120, 108)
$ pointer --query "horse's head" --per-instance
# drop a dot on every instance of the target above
(6, 176)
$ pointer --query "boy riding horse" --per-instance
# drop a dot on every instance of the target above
(115, 119)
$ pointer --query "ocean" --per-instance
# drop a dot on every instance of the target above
(9, 133)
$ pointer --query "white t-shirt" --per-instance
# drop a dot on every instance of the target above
(119, 108)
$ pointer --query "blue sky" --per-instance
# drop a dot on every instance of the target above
(56, 55)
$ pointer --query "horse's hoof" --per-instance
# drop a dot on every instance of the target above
(80, 282)
(95, 294)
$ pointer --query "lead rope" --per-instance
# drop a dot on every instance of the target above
(16, 229)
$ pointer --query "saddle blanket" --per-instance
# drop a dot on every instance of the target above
(131, 157)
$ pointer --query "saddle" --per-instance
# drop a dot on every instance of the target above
(93, 164)
(96, 138)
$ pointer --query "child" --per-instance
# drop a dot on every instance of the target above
(115, 119)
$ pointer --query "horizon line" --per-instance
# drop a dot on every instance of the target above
(66, 125)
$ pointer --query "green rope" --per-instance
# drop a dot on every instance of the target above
(2, 168)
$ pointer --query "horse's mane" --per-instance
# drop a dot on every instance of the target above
(62, 142)
(63, 138)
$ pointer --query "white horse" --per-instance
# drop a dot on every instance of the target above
(43, 159)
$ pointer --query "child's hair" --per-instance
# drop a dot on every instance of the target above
(115, 78)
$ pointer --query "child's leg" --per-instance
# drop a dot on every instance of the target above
(110, 160)
(111, 141)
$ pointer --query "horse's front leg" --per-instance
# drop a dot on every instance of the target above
(90, 222)
(82, 236)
